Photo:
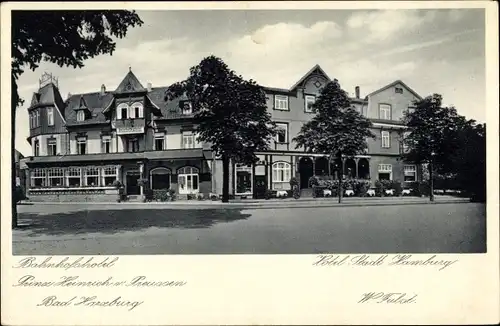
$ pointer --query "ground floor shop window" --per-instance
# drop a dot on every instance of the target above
(188, 178)
(243, 177)
(281, 175)
(410, 172)
(55, 177)
(92, 177)
(109, 175)
(74, 177)
(385, 172)
(38, 177)
(160, 178)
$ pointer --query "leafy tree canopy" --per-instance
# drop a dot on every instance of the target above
(337, 128)
(231, 112)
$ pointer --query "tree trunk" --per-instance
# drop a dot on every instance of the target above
(14, 98)
(431, 181)
(225, 178)
(340, 175)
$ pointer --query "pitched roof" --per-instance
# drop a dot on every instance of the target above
(394, 83)
(314, 70)
(95, 103)
(130, 84)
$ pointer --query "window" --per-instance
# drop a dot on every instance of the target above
(310, 99)
(31, 121)
(385, 172)
(109, 175)
(137, 111)
(51, 146)
(188, 180)
(281, 175)
(36, 147)
(243, 176)
(386, 139)
(384, 111)
(188, 139)
(91, 177)
(74, 177)
(106, 144)
(37, 119)
(410, 172)
(159, 141)
(398, 90)
(81, 145)
(80, 115)
(282, 135)
(132, 145)
(55, 177)
(411, 108)
(281, 102)
(121, 111)
(187, 108)
(50, 116)
(124, 113)
(37, 177)
(160, 178)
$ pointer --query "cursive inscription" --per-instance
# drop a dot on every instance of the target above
(76, 281)
(381, 260)
(89, 301)
(66, 263)
(388, 297)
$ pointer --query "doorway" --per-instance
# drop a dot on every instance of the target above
(305, 171)
(133, 187)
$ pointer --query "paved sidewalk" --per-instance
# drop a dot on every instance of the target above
(275, 203)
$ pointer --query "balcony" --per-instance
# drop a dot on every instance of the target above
(129, 126)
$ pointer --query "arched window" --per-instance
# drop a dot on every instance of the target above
(80, 116)
(281, 175)
(122, 111)
(160, 178)
(188, 180)
(136, 110)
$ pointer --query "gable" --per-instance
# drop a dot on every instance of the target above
(316, 77)
(393, 85)
(130, 84)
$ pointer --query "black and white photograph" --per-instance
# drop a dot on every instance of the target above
(249, 163)
(248, 132)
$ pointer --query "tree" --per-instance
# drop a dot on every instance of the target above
(230, 113)
(433, 135)
(66, 38)
(336, 129)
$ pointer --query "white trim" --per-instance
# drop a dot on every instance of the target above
(384, 134)
(306, 98)
(60, 114)
(51, 115)
(156, 106)
(109, 105)
(378, 124)
(284, 98)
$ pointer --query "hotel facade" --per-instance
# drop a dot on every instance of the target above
(81, 145)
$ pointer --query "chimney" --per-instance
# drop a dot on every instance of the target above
(149, 87)
(357, 91)
(103, 89)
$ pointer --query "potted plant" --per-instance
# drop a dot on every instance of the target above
(143, 182)
(119, 187)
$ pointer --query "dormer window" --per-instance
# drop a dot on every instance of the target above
(187, 108)
(80, 116)
(50, 116)
(398, 90)
(136, 111)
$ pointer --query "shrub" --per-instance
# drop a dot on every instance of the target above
(161, 194)
(313, 181)
(398, 189)
(269, 194)
(379, 188)
(171, 194)
(200, 197)
(19, 194)
(294, 182)
(117, 184)
(424, 188)
(214, 197)
(149, 194)
(361, 188)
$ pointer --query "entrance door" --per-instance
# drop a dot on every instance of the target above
(132, 184)
(306, 171)
(260, 187)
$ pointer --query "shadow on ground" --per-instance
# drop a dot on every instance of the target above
(114, 221)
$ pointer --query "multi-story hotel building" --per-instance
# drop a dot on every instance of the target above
(81, 145)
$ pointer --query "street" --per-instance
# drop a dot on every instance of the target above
(63, 229)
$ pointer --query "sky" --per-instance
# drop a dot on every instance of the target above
(433, 51)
